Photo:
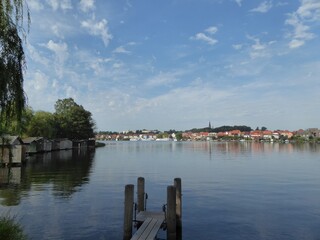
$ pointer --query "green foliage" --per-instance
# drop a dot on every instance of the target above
(242, 128)
(162, 135)
(69, 121)
(230, 128)
(10, 230)
(197, 130)
(179, 136)
(42, 124)
(12, 60)
(18, 127)
(72, 120)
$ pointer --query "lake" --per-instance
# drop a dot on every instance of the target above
(231, 190)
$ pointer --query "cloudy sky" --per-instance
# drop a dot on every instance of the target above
(178, 64)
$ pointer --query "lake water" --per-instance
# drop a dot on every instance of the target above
(231, 190)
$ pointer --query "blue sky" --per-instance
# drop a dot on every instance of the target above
(178, 64)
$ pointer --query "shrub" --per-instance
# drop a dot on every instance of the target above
(10, 230)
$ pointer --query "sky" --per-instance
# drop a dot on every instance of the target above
(177, 64)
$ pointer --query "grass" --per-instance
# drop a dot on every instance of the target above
(11, 230)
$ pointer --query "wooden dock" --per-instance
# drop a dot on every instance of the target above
(149, 222)
(149, 228)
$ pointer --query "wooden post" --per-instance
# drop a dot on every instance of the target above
(177, 184)
(141, 202)
(128, 212)
(171, 213)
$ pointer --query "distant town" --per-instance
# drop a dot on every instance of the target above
(224, 133)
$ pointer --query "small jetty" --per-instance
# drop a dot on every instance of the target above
(140, 224)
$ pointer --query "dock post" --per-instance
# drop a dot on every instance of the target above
(141, 202)
(171, 213)
(177, 184)
(128, 212)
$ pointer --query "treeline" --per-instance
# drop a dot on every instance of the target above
(69, 120)
(242, 128)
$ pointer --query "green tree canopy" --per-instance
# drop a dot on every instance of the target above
(42, 125)
(72, 120)
(15, 127)
(12, 60)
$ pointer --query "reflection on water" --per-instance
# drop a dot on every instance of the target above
(231, 190)
(245, 147)
(64, 170)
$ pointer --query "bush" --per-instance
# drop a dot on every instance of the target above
(10, 230)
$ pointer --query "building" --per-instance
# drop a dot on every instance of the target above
(12, 150)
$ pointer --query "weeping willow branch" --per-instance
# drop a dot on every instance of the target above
(12, 59)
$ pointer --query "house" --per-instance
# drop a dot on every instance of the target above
(267, 135)
(61, 144)
(286, 134)
(79, 143)
(222, 134)
(11, 150)
(256, 135)
(235, 133)
(37, 144)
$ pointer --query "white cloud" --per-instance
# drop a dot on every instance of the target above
(60, 49)
(205, 37)
(70, 92)
(237, 46)
(56, 31)
(61, 55)
(301, 20)
(263, 7)
(258, 46)
(211, 30)
(36, 56)
(86, 5)
(38, 89)
(258, 49)
(163, 79)
(63, 4)
(98, 65)
(35, 5)
(121, 49)
(117, 65)
(239, 2)
(39, 81)
(309, 9)
(295, 43)
(54, 4)
(98, 29)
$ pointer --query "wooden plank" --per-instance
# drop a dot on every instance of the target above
(143, 215)
(155, 230)
(148, 230)
(141, 229)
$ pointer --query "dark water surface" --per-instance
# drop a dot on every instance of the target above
(230, 190)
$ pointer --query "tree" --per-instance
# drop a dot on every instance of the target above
(12, 60)
(72, 120)
(42, 125)
(14, 127)
(179, 136)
